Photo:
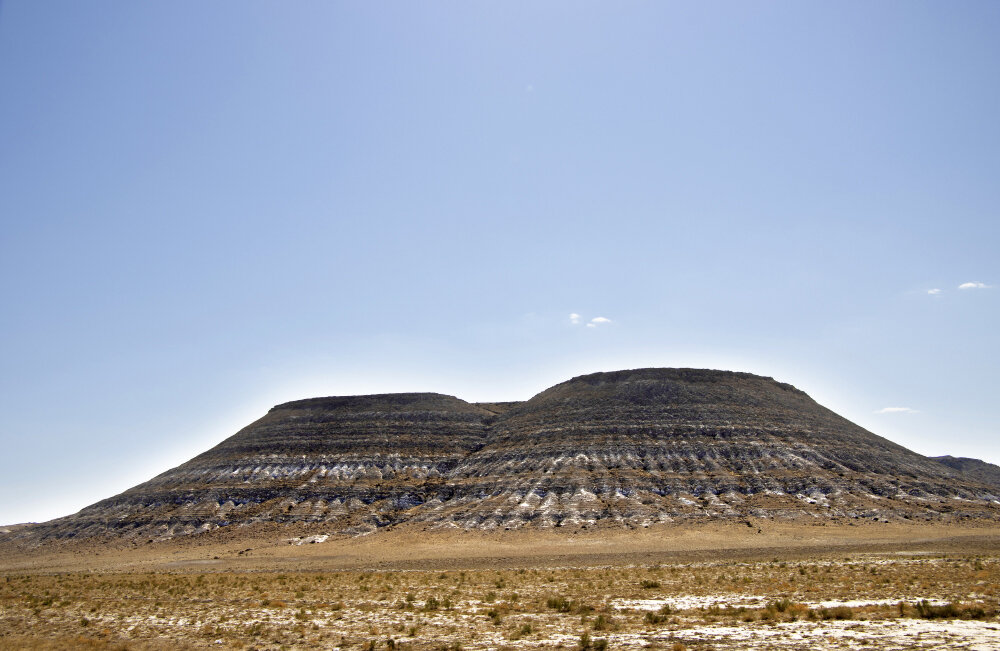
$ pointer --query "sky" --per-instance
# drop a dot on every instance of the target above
(207, 209)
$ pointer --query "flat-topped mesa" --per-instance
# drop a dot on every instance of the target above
(414, 428)
(314, 460)
(380, 436)
(627, 448)
(651, 445)
(652, 376)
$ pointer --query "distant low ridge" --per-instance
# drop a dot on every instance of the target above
(988, 473)
(627, 448)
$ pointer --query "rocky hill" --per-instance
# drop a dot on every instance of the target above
(628, 448)
(987, 473)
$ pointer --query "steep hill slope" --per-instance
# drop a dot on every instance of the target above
(651, 445)
(628, 448)
(321, 459)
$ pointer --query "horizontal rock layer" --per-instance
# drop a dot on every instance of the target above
(629, 448)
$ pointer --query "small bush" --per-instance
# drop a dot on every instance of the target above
(838, 612)
(561, 604)
(655, 618)
(974, 612)
(602, 623)
(796, 611)
(648, 584)
(928, 611)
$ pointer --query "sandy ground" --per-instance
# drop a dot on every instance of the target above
(415, 548)
(714, 586)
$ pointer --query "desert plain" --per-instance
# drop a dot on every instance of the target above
(731, 585)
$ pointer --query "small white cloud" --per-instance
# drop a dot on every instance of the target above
(934, 292)
(593, 323)
(974, 285)
(896, 410)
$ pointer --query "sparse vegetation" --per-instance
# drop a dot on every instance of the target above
(561, 604)
(417, 610)
(837, 612)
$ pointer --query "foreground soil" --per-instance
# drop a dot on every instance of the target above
(721, 586)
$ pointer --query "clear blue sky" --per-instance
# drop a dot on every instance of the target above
(210, 208)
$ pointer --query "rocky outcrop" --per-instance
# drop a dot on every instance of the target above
(628, 448)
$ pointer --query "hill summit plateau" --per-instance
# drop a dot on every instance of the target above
(627, 448)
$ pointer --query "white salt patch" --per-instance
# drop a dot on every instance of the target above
(860, 603)
(687, 602)
(895, 633)
(321, 538)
